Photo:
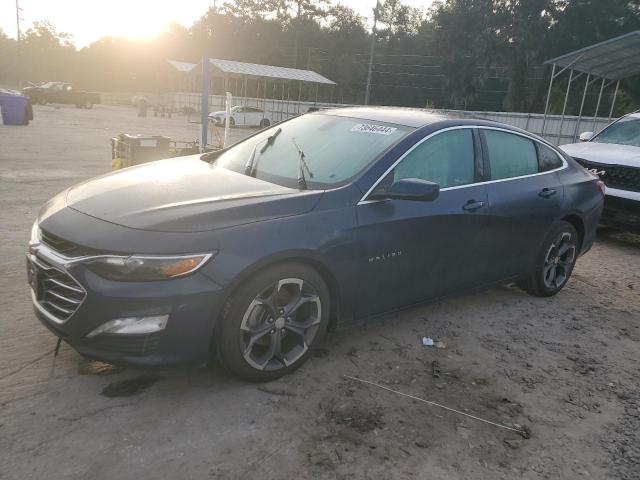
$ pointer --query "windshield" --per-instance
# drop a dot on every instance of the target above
(623, 132)
(325, 150)
(48, 85)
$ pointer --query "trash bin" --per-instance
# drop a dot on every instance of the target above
(128, 150)
(15, 108)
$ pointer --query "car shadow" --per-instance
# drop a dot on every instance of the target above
(613, 236)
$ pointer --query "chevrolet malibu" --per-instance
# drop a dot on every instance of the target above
(251, 253)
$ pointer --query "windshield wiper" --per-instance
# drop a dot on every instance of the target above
(250, 167)
(302, 181)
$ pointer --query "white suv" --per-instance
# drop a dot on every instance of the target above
(614, 155)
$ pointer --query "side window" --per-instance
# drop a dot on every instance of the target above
(446, 159)
(549, 160)
(510, 155)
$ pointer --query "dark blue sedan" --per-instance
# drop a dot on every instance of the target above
(253, 252)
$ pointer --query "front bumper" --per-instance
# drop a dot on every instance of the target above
(192, 303)
(622, 213)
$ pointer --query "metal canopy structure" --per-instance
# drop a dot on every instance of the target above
(240, 77)
(184, 67)
(240, 69)
(229, 67)
(607, 62)
(612, 59)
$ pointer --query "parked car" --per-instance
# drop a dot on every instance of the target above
(61, 92)
(243, 117)
(254, 251)
(614, 155)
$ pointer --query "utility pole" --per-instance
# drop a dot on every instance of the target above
(367, 93)
(18, 20)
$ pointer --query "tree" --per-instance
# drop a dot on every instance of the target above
(465, 36)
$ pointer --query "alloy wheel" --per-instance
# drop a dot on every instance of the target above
(559, 261)
(279, 324)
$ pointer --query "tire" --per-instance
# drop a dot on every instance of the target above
(256, 339)
(88, 105)
(42, 101)
(264, 123)
(232, 122)
(553, 268)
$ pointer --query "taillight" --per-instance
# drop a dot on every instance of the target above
(601, 186)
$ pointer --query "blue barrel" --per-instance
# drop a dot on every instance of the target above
(15, 109)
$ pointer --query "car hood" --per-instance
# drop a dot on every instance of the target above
(218, 113)
(185, 194)
(608, 153)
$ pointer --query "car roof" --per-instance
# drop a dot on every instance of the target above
(410, 117)
(417, 118)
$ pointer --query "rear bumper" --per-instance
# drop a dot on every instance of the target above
(622, 213)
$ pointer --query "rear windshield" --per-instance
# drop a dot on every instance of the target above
(623, 132)
(314, 151)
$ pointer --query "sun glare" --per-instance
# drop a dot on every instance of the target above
(138, 23)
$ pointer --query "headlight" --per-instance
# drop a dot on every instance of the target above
(36, 234)
(142, 268)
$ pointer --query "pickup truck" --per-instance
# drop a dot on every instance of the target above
(61, 92)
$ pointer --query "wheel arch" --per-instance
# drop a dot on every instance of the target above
(304, 257)
(578, 223)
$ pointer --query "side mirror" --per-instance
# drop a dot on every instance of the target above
(586, 136)
(408, 189)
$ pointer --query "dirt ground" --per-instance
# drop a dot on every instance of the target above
(566, 368)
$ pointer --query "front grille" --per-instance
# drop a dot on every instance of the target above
(615, 176)
(56, 291)
(65, 247)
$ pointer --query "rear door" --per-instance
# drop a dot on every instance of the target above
(525, 197)
(253, 116)
(414, 251)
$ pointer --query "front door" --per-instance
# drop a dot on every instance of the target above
(414, 251)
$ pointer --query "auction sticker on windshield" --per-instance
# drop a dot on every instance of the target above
(369, 128)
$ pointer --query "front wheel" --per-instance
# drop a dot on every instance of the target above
(554, 263)
(264, 123)
(272, 323)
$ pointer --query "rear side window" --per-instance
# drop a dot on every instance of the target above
(510, 155)
(446, 159)
(549, 160)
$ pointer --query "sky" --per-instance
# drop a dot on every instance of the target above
(88, 20)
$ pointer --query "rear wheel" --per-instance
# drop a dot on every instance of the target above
(265, 122)
(272, 323)
(42, 101)
(554, 263)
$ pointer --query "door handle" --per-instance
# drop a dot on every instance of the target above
(472, 205)
(547, 192)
